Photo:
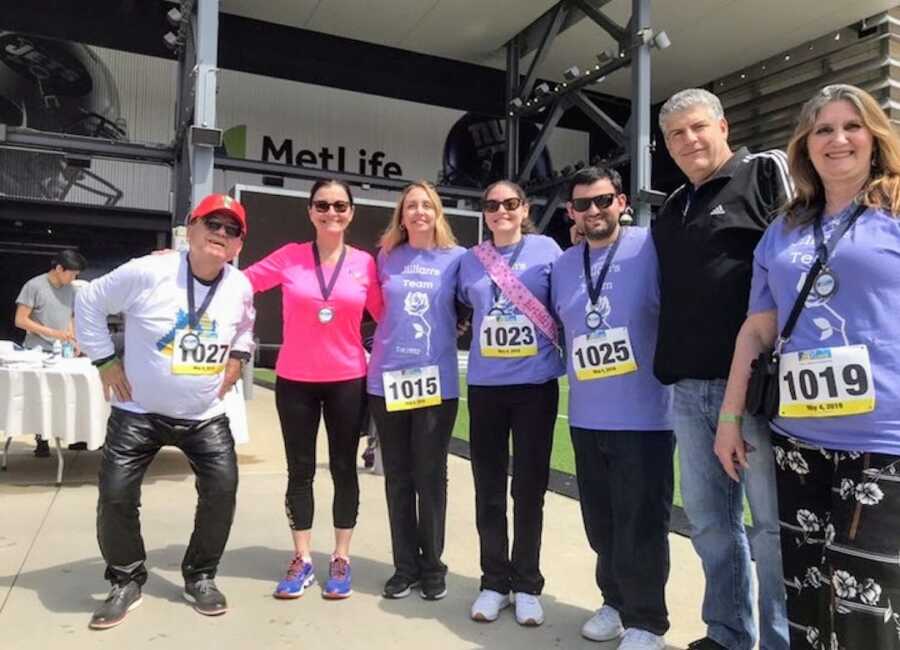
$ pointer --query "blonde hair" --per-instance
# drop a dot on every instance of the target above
(395, 234)
(881, 190)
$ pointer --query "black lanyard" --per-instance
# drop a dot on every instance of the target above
(326, 290)
(495, 290)
(825, 250)
(594, 290)
(194, 317)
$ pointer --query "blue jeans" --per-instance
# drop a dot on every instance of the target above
(714, 506)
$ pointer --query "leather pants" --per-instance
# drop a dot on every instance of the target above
(132, 441)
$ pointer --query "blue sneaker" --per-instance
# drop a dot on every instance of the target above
(338, 584)
(299, 576)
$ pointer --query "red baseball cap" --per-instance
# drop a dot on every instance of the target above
(220, 203)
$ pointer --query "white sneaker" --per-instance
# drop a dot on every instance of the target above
(487, 606)
(635, 639)
(604, 625)
(528, 609)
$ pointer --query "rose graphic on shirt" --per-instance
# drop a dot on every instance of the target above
(416, 304)
(827, 328)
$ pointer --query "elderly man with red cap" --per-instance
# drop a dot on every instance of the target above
(188, 331)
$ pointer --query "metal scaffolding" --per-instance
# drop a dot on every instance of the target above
(192, 156)
(525, 99)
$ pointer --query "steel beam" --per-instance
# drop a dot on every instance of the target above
(608, 24)
(598, 117)
(559, 13)
(206, 43)
(532, 34)
(592, 76)
(640, 111)
(512, 119)
(61, 143)
(550, 207)
(537, 149)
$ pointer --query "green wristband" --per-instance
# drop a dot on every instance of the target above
(730, 418)
(104, 366)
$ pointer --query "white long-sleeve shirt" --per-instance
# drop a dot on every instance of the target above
(151, 293)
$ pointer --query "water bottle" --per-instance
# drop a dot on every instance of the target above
(68, 350)
(57, 348)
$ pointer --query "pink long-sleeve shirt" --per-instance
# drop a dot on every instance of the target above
(311, 350)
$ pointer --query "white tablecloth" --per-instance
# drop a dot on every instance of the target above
(64, 401)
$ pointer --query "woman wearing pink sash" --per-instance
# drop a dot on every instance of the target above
(512, 375)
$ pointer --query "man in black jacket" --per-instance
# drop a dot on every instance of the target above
(705, 234)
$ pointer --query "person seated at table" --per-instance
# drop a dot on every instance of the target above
(44, 310)
(190, 325)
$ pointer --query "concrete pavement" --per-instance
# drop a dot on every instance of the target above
(51, 571)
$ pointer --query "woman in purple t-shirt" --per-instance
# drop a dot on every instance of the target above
(512, 376)
(413, 385)
(836, 436)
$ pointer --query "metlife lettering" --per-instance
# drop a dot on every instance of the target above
(373, 164)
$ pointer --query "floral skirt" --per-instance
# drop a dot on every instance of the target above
(840, 544)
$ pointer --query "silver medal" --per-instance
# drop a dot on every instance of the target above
(825, 284)
(326, 314)
(190, 342)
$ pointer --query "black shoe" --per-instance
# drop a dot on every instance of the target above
(434, 587)
(398, 586)
(705, 644)
(121, 600)
(43, 448)
(78, 446)
(206, 597)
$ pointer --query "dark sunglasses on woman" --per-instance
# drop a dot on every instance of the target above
(508, 204)
(339, 206)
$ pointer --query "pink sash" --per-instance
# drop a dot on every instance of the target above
(517, 293)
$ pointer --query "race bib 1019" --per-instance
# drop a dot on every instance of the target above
(826, 382)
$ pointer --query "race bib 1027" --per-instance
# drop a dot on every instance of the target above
(198, 353)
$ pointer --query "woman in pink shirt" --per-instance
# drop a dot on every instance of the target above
(321, 367)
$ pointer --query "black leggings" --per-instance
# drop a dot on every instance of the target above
(300, 404)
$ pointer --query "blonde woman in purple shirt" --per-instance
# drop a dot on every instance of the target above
(836, 434)
(413, 385)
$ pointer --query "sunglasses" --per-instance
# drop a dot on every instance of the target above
(339, 206)
(508, 204)
(602, 201)
(231, 229)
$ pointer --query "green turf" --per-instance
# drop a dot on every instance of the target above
(562, 458)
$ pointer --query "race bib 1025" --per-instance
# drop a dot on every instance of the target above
(603, 353)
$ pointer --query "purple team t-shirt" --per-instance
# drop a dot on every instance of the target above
(635, 401)
(533, 268)
(863, 310)
(418, 327)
